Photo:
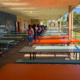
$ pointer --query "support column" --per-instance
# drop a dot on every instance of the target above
(57, 25)
(60, 24)
(69, 31)
(72, 24)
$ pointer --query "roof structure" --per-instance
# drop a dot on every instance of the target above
(38, 9)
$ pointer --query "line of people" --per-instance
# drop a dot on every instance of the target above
(35, 30)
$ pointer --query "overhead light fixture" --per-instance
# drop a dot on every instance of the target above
(8, 0)
(13, 4)
(21, 8)
(27, 11)
(30, 11)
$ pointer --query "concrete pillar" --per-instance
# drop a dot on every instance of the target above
(60, 24)
(69, 31)
(57, 25)
(72, 24)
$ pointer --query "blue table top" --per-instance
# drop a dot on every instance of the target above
(6, 41)
(53, 31)
(52, 49)
(56, 47)
(46, 34)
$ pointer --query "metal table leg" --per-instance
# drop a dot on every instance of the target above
(30, 56)
(79, 56)
(7, 46)
(70, 56)
(73, 56)
(35, 55)
(76, 56)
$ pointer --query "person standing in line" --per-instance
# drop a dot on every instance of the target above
(35, 32)
(42, 29)
(10, 30)
(39, 30)
(30, 33)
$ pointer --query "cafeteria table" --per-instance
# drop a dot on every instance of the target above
(19, 32)
(46, 34)
(16, 34)
(50, 29)
(53, 37)
(49, 49)
(6, 42)
(55, 31)
(55, 41)
(12, 38)
(25, 36)
(40, 72)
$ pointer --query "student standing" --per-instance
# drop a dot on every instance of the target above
(35, 32)
(39, 30)
(30, 33)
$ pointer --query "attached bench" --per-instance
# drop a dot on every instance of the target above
(1, 53)
(48, 61)
(3, 49)
(13, 44)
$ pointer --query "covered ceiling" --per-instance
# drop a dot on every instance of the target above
(38, 9)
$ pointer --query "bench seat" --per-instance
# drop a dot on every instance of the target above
(13, 44)
(48, 61)
(3, 49)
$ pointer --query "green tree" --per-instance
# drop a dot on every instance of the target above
(45, 22)
(76, 18)
(64, 18)
(58, 22)
(68, 18)
(50, 23)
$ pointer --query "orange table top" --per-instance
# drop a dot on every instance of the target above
(55, 41)
(50, 41)
(75, 40)
(66, 36)
(40, 72)
(57, 36)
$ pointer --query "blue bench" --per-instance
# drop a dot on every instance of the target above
(3, 49)
(48, 61)
(13, 44)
